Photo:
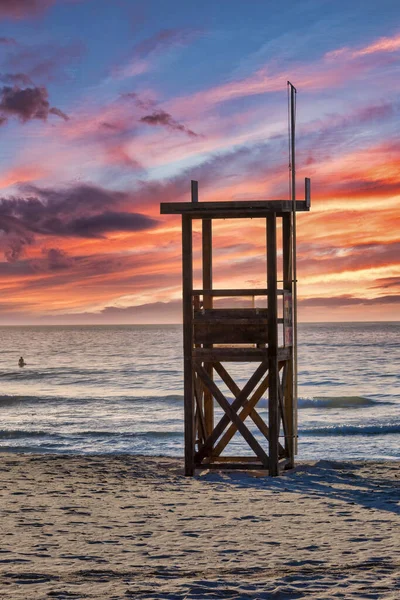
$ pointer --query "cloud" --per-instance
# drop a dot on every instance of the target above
(162, 39)
(57, 259)
(15, 242)
(27, 104)
(81, 211)
(21, 174)
(18, 9)
(139, 101)
(45, 61)
(150, 48)
(383, 44)
(387, 282)
(333, 70)
(347, 300)
(8, 41)
(16, 78)
(166, 120)
(97, 225)
(21, 9)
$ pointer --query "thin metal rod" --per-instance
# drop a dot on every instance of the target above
(194, 186)
(293, 93)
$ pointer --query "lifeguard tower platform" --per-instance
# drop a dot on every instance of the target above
(265, 335)
(262, 336)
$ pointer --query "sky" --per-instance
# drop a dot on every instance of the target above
(109, 107)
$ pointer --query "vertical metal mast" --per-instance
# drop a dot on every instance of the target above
(292, 166)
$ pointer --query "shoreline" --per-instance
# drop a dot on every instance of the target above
(128, 526)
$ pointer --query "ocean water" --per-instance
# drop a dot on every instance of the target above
(112, 389)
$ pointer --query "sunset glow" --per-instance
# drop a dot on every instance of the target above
(104, 115)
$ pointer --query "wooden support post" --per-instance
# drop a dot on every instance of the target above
(236, 405)
(233, 416)
(273, 373)
(187, 285)
(207, 304)
(288, 391)
(248, 409)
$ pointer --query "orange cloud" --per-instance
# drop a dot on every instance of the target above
(22, 174)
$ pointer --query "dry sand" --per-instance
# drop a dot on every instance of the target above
(131, 527)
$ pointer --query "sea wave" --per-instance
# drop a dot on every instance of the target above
(9, 399)
(8, 434)
(362, 430)
(338, 402)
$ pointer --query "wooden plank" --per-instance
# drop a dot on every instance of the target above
(232, 415)
(224, 333)
(228, 314)
(198, 392)
(234, 292)
(273, 410)
(231, 209)
(236, 405)
(224, 459)
(284, 353)
(207, 305)
(239, 322)
(194, 185)
(281, 396)
(187, 285)
(207, 261)
(234, 466)
(248, 409)
(230, 354)
(307, 192)
(288, 285)
(244, 413)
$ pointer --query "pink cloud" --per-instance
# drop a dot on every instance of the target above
(18, 9)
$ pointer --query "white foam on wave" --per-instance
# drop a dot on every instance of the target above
(337, 402)
(352, 430)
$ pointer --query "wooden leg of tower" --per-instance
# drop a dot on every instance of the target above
(187, 274)
(288, 286)
(273, 372)
(208, 303)
(289, 411)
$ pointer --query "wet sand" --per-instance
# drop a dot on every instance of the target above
(134, 527)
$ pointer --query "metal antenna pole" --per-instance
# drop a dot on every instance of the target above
(293, 93)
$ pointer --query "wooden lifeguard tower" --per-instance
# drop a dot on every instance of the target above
(264, 336)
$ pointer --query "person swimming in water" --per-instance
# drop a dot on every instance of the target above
(21, 362)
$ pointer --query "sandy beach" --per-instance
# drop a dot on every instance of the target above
(134, 527)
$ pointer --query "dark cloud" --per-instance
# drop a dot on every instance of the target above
(16, 78)
(45, 62)
(16, 242)
(98, 225)
(18, 9)
(57, 259)
(6, 41)
(144, 103)
(348, 300)
(80, 211)
(166, 120)
(27, 104)
(387, 282)
(313, 256)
